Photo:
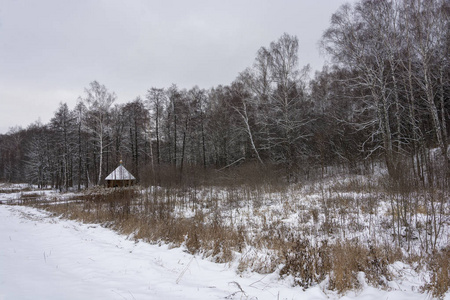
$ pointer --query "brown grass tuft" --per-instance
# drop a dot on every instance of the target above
(439, 267)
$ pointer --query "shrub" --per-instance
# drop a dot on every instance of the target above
(439, 273)
(348, 258)
(307, 263)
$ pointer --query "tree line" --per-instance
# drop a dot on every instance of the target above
(384, 97)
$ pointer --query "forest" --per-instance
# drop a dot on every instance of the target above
(385, 97)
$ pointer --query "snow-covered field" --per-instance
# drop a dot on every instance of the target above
(45, 257)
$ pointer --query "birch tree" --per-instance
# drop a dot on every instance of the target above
(287, 118)
(98, 102)
(429, 28)
(354, 42)
(243, 103)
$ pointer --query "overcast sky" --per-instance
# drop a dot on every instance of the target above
(50, 50)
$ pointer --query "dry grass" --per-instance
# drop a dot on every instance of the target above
(439, 266)
(308, 263)
(221, 220)
(151, 217)
(351, 257)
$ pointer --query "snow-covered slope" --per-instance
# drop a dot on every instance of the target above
(42, 257)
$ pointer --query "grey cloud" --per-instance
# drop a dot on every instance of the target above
(51, 49)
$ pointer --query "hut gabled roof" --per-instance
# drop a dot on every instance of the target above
(120, 173)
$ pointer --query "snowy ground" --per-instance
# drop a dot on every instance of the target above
(43, 257)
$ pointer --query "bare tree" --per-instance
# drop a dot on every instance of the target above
(286, 103)
(429, 28)
(79, 115)
(156, 102)
(198, 102)
(355, 41)
(136, 119)
(98, 102)
(39, 156)
(243, 104)
(63, 126)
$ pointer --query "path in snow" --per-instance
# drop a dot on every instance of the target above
(43, 257)
(47, 258)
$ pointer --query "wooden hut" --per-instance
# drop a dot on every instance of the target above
(120, 177)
